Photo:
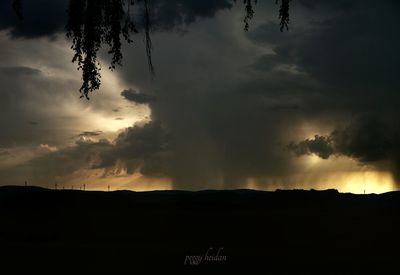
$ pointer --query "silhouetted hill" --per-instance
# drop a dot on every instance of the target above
(282, 232)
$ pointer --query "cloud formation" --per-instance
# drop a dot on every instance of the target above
(89, 134)
(319, 145)
(242, 114)
(137, 97)
(369, 140)
(43, 18)
(141, 148)
(225, 104)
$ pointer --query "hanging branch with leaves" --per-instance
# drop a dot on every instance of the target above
(149, 45)
(91, 24)
(94, 23)
(249, 13)
(284, 14)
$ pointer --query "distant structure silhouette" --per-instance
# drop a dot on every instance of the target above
(94, 23)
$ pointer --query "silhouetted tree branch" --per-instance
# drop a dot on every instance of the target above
(17, 6)
(93, 23)
(284, 14)
(249, 13)
(149, 45)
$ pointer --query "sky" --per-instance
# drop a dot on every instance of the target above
(312, 107)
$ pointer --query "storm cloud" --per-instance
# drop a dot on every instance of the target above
(45, 18)
(325, 69)
(225, 104)
(137, 97)
(369, 140)
(142, 148)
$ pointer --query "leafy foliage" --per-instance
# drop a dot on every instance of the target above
(91, 24)
(94, 23)
(284, 14)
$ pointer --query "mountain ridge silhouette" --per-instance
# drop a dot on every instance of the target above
(121, 232)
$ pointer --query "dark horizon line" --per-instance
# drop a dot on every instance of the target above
(243, 190)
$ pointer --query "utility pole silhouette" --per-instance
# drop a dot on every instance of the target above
(84, 187)
(56, 186)
(108, 188)
(26, 183)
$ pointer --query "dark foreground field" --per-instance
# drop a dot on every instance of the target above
(283, 232)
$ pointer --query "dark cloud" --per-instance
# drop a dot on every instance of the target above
(267, 62)
(319, 145)
(349, 51)
(43, 170)
(353, 56)
(41, 18)
(84, 155)
(14, 82)
(137, 97)
(232, 124)
(144, 149)
(19, 71)
(168, 14)
(33, 123)
(48, 17)
(141, 148)
(340, 5)
(286, 107)
(29, 114)
(369, 140)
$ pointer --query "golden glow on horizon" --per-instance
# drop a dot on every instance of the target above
(368, 181)
(95, 180)
(346, 182)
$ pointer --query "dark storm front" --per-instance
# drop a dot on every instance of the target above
(211, 255)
